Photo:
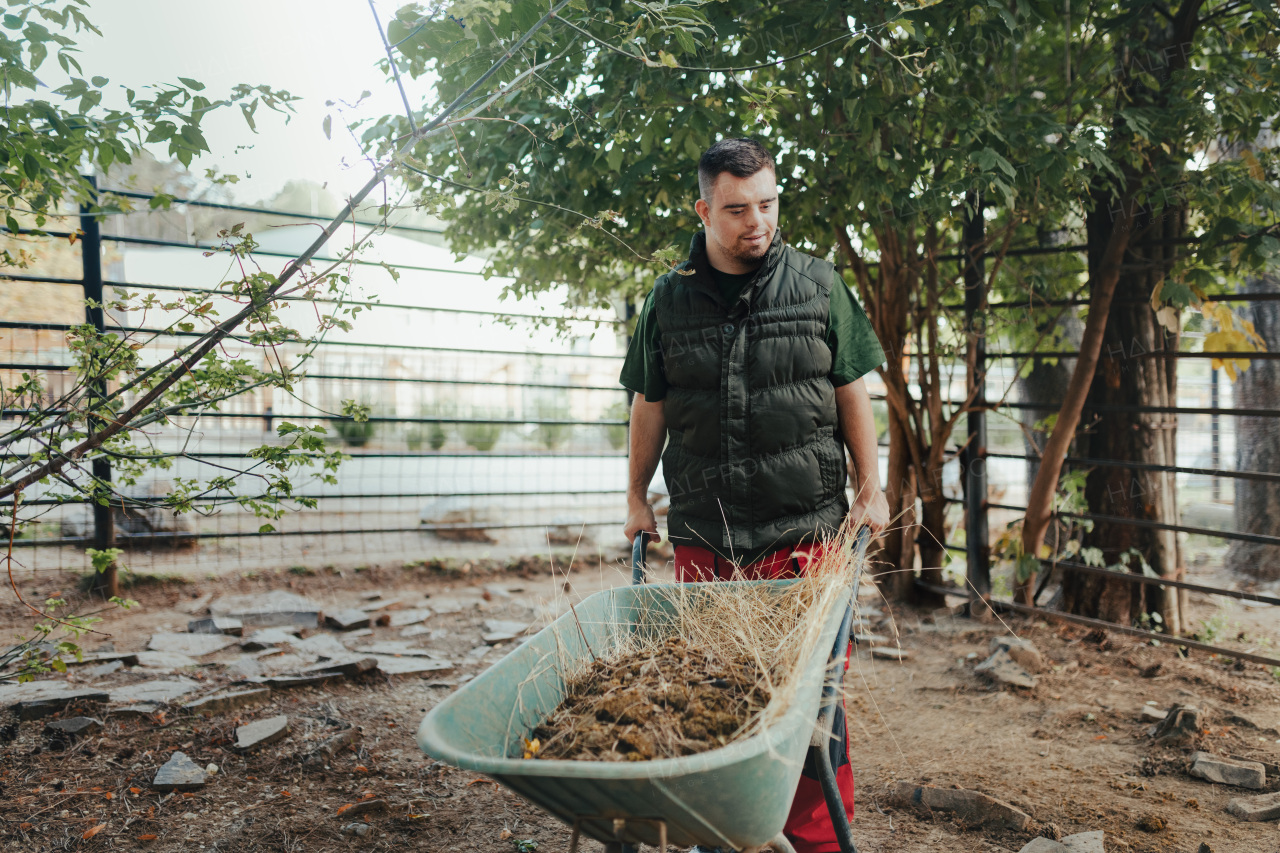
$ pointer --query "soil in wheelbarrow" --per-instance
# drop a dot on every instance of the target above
(667, 702)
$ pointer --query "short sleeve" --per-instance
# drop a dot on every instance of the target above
(855, 350)
(642, 370)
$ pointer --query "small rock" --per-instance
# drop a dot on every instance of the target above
(216, 625)
(265, 638)
(72, 728)
(328, 748)
(1264, 807)
(415, 631)
(323, 645)
(356, 634)
(410, 666)
(196, 606)
(446, 605)
(161, 691)
(1086, 842)
(505, 626)
(865, 639)
(1003, 669)
(211, 769)
(1204, 848)
(1044, 845)
(179, 773)
(359, 830)
(1272, 769)
(192, 645)
(1023, 652)
(1235, 718)
(970, 806)
(367, 807)
(244, 667)
(496, 637)
(266, 610)
(371, 595)
(261, 733)
(1179, 726)
(1151, 714)
(347, 620)
(229, 700)
(287, 682)
(104, 669)
(1226, 771)
(890, 653)
(390, 647)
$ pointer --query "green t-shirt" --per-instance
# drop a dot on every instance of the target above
(855, 350)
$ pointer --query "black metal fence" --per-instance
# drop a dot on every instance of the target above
(492, 435)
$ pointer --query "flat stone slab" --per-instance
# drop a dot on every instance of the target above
(287, 682)
(401, 618)
(890, 653)
(1151, 714)
(970, 806)
(446, 605)
(104, 669)
(154, 691)
(330, 746)
(265, 638)
(1023, 652)
(46, 703)
(505, 626)
(167, 661)
(72, 728)
(245, 666)
(494, 638)
(1043, 845)
(350, 666)
(179, 773)
(391, 647)
(324, 645)
(866, 639)
(1265, 807)
(216, 625)
(410, 666)
(1001, 668)
(261, 733)
(350, 619)
(1228, 771)
(227, 700)
(416, 631)
(1086, 842)
(142, 709)
(265, 610)
(192, 645)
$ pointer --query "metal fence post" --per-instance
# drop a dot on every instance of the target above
(977, 535)
(104, 533)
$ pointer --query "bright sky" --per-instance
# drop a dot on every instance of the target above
(317, 49)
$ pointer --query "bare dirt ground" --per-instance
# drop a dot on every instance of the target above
(1071, 752)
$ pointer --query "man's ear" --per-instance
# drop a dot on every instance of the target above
(703, 209)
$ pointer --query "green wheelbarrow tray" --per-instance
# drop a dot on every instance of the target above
(737, 796)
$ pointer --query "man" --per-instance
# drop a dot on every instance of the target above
(747, 363)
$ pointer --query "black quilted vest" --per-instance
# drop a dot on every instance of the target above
(753, 461)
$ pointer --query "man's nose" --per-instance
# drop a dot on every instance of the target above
(754, 218)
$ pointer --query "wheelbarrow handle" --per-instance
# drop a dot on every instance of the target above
(638, 547)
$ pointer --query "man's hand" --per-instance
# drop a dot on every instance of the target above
(871, 508)
(640, 518)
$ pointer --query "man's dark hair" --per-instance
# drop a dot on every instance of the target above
(741, 158)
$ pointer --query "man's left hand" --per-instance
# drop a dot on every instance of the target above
(872, 509)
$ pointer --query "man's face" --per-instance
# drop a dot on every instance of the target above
(740, 219)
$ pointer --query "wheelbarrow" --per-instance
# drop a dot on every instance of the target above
(735, 797)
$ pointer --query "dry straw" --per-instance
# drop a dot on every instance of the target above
(774, 630)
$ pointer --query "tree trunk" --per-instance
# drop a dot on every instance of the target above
(1132, 372)
(1043, 389)
(1258, 444)
(895, 564)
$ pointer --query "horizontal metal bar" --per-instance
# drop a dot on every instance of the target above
(125, 540)
(1067, 303)
(497, 314)
(1257, 476)
(1262, 356)
(1257, 538)
(417, 229)
(77, 501)
(1135, 577)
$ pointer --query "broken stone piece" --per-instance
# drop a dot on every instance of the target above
(970, 806)
(411, 665)
(1227, 771)
(1086, 842)
(366, 807)
(1043, 845)
(216, 625)
(167, 661)
(349, 666)
(1151, 714)
(160, 691)
(495, 638)
(323, 645)
(890, 653)
(347, 620)
(192, 645)
(391, 647)
(1264, 807)
(505, 626)
(72, 728)
(142, 709)
(47, 706)
(265, 610)
(179, 773)
(261, 733)
(1023, 652)
(228, 700)
(866, 639)
(329, 747)
(1180, 726)
(401, 618)
(287, 682)
(1003, 669)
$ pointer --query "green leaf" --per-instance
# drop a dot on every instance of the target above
(99, 81)
(193, 85)
(614, 158)
(327, 124)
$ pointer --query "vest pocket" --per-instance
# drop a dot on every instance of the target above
(831, 461)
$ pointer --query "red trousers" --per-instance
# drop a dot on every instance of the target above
(808, 826)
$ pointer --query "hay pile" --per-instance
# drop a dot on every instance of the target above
(713, 664)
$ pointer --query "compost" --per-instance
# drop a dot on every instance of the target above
(667, 702)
